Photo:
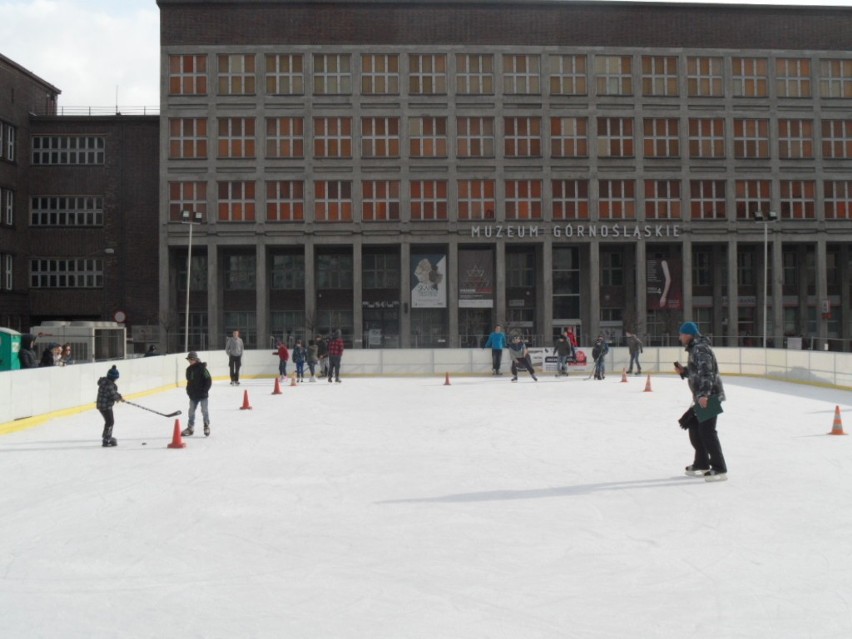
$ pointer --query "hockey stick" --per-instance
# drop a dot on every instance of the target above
(594, 368)
(151, 410)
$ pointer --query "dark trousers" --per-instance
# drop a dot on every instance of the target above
(524, 363)
(705, 441)
(334, 366)
(496, 358)
(109, 421)
(634, 357)
(234, 363)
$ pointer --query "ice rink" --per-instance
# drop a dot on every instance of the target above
(405, 508)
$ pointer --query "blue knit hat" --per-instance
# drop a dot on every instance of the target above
(689, 328)
(112, 373)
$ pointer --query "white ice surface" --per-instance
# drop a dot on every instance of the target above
(404, 508)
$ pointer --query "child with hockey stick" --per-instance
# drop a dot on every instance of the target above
(520, 356)
(198, 383)
(108, 395)
(599, 351)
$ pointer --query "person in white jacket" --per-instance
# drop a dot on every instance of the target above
(234, 348)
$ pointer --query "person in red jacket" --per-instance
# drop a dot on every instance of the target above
(283, 357)
(335, 353)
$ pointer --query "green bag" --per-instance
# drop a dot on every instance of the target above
(714, 407)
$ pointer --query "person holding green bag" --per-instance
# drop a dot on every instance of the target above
(705, 383)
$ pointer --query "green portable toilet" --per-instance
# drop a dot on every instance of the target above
(10, 344)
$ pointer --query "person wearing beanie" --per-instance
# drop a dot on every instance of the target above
(108, 395)
(599, 352)
(335, 354)
(705, 383)
(198, 383)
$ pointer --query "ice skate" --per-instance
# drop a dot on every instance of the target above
(693, 471)
(715, 475)
(109, 442)
(207, 430)
(188, 431)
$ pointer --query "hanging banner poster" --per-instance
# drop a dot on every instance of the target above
(476, 279)
(428, 281)
(664, 290)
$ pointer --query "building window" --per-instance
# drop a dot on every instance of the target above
(474, 74)
(617, 200)
(835, 78)
(243, 321)
(8, 135)
(753, 196)
(612, 268)
(7, 207)
(707, 199)
(69, 210)
(68, 149)
(568, 74)
(236, 201)
(427, 74)
(837, 139)
(662, 200)
(187, 196)
(798, 199)
(236, 74)
(198, 274)
(522, 137)
(285, 74)
(745, 269)
(793, 77)
(614, 74)
(188, 75)
(570, 199)
(380, 137)
(333, 137)
(523, 199)
(236, 138)
(521, 74)
(520, 269)
(66, 273)
(379, 74)
(702, 268)
(662, 137)
(332, 74)
(569, 137)
(706, 138)
(334, 271)
(838, 199)
(704, 77)
(615, 137)
(795, 139)
(477, 199)
(751, 138)
(332, 201)
(659, 76)
(285, 137)
(428, 200)
(285, 201)
(187, 138)
(750, 77)
(427, 137)
(240, 272)
(288, 273)
(475, 137)
(3, 126)
(380, 201)
(566, 283)
(380, 271)
(8, 262)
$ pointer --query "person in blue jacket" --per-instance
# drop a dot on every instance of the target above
(496, 342)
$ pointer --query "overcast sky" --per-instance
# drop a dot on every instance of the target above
(91, 49)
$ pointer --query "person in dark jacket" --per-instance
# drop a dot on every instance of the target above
(300, 356)
(152, 351)
(520, 357)
(565, 352)
(198, 383)
(48, 355)
(322, 354)
(26, 354)
(634, 347)
(702, 373)
(599, 351)
(335, 354)
(108, 395)
(496, 342)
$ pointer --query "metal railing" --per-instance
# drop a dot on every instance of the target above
(97, 111)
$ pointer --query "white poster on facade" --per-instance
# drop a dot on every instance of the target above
(429, 281)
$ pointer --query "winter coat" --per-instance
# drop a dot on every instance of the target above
(335, 347)
(634, 345)
(283, 353)
(107, 394)
(518, 351)
(322, 348)
(702, 370)
(313, 354)
(234, 346)
(299, 354)
(599, 350)
(198, 381)
(26, 354)
(496, 341)
(47, 356)
(563, 348)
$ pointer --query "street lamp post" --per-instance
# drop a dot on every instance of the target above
(771, 216)
(191, 219)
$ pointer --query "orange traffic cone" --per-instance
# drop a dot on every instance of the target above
(837, 426)
(246, 405)
(293, 380)
(177, 440)
(623, 375)
(277, 390)
(648, 388)
(446, 379)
